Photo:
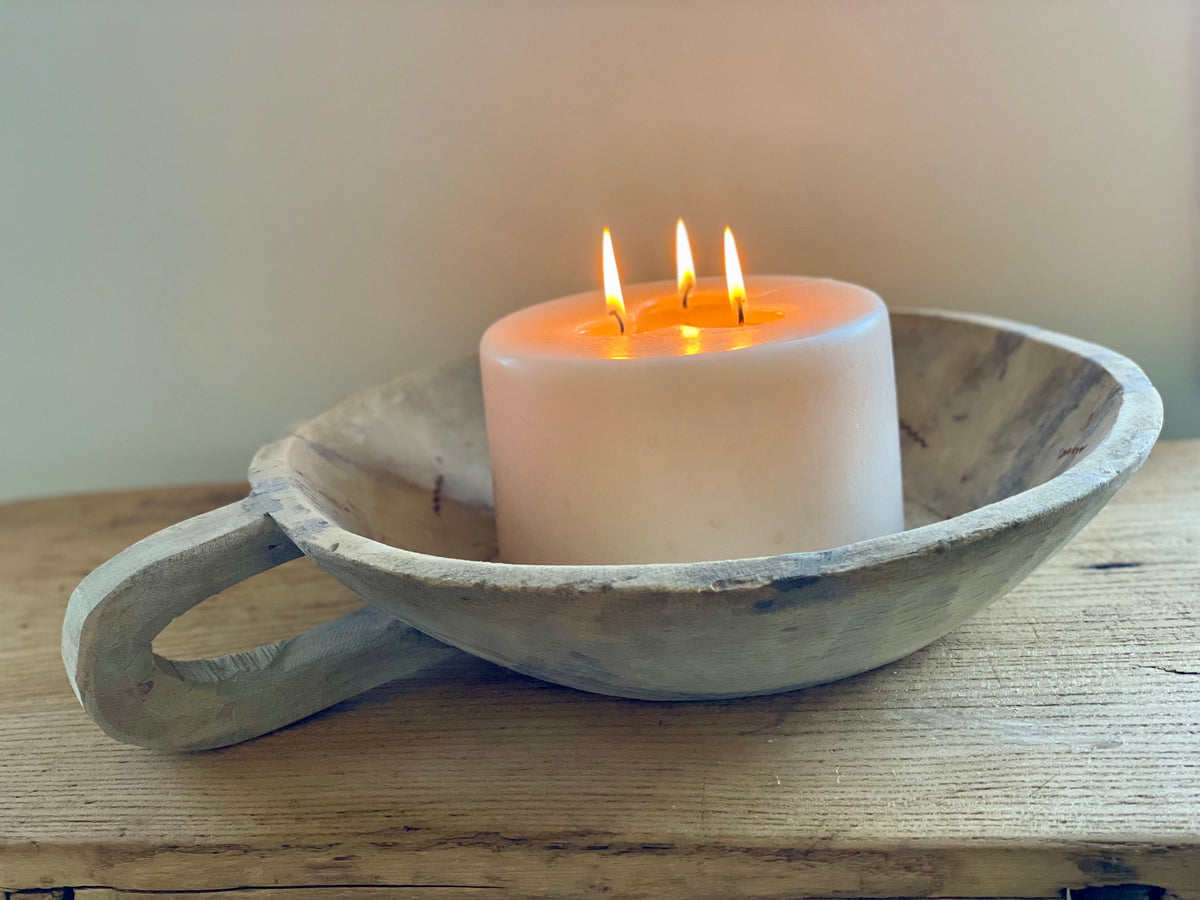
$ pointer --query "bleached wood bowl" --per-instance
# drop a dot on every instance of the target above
(1013, 438)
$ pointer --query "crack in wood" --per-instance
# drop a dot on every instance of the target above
(1171, 671)
(1115, 892)
(69, 892)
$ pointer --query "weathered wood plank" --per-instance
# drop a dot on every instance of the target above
(430, 892)
(378, 893)
(1051, 742)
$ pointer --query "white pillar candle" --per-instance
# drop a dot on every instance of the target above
(689, 436)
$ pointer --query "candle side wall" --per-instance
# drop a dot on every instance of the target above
(777, 448)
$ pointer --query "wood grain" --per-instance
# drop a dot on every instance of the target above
(359, 893)
(1051, 742)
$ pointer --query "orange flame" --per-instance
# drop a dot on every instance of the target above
(612, 284)
(685, 268)
(733, 278)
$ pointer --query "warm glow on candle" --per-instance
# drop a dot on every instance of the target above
(692, 340)
(612, 284)
(684, 267)
(733, 278)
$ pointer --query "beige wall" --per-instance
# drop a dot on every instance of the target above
(217, 218)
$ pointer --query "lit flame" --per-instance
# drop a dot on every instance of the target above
(684, 267)
(733, 277)
(612, 284)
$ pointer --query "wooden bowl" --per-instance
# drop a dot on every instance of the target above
(1013, 438)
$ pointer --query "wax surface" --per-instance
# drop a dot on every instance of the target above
(691, 437)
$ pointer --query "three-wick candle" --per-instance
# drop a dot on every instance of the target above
(700, 419)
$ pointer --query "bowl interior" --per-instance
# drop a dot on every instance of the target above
(986, 411)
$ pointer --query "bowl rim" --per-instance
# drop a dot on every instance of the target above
(1114, 458)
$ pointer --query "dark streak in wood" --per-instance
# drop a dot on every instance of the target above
(914, 434)
(1117, 892)
(794, 582)
(437, 494)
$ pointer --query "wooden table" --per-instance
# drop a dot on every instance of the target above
(1052, 742)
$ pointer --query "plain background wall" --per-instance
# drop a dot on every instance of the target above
(218, 218)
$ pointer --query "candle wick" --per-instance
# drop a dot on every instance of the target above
(620, 322)
(686, 291)
(741, 307)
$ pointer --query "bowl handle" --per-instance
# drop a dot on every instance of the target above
(139, 697)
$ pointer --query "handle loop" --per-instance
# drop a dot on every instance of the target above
(139, 697)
